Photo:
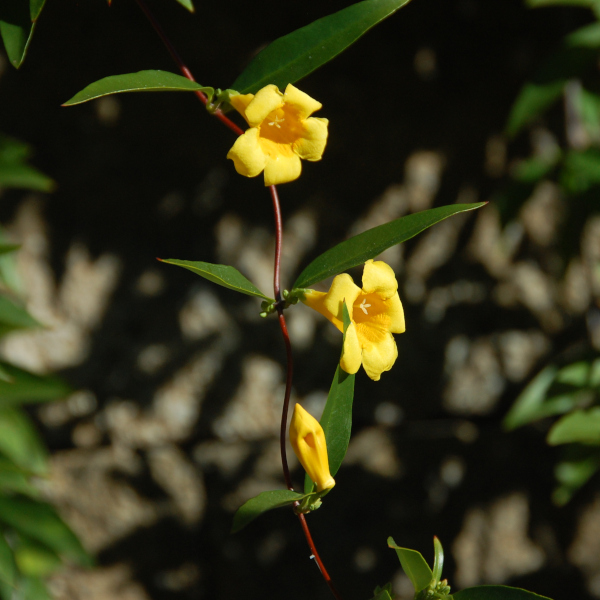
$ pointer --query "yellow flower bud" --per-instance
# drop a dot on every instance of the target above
(308, 441)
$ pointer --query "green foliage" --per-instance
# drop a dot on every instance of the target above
(20, 442)
(429, 585)
(39, 539)
(143, 81)
(221, 275)
(414, 565)
(187, 4)
(15, 172)
(262, 503)
(293, 56)
(581, 426)
(23, 386)
(369, 244)
(17, 22)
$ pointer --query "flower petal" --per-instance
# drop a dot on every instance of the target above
(342, 288)
(380, 357)
(311, 144)
(240, 102)
(266, 101)
(396, 314)
(351, 354)
(298, 100)
(247, 154)
(282, 168)
(379, 278)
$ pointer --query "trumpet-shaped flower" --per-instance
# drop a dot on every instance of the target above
(308, 441)
(281, 133)
(375, 313)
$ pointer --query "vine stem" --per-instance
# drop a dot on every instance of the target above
(276, 288)
(288, 383)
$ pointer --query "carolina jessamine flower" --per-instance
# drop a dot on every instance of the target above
(375, 311)
(308, 441)
(280, 134)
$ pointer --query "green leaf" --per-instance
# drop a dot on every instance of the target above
(35, 8)
(6, 248)
(20, 442)
(336, 419)
(529, 405)
(581, 170)
(261, 503)
(572, 473)
(438, 561)
(14, 480)
(35, 560)
(414, 565)
(533, 100)
(40, 522)
(384, 593)
(14, 316)
(16, 29)
(581, 426)
(8, 567)
(143, 81)
(14, 172)
(27, 387)
(33, 588)
(293, 56)
(496, 592)
(369, 244)
(585, 37)
(24, 177)
(187, 4)
(221, 275)
(4, 375)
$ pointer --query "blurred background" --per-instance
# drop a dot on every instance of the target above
(174, 421)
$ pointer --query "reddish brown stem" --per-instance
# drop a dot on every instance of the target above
(182, 67)
(288, 383)
(316, 556)
(284, 331)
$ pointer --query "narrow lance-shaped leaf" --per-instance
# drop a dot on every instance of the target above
(371, 243)
(221, 275)
(27, 387)
(13, 316)
(336, 419)
(187, 4)
(16, 29)
(263, 502)
(143, 81)
(414, 565)
(582, 426)
(20, 442)
(496, 592)
(293, 56)
(39, 521)
(8, 568)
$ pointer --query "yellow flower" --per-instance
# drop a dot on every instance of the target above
(375, 311)
(280, 134)
(308, 441)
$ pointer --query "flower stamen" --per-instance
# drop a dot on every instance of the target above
(276, 122)
(364, 306)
